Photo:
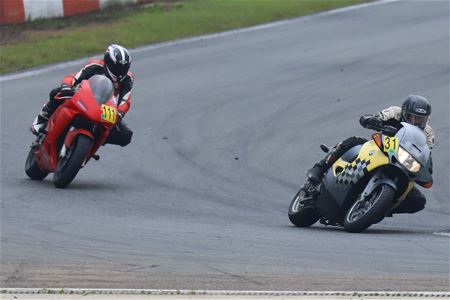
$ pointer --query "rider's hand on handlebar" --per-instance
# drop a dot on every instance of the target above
(376, 122)
(370, 121)
(66, 91)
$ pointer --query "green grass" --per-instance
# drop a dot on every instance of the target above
(150, 25)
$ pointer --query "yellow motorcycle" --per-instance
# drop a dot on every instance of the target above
(367, 182)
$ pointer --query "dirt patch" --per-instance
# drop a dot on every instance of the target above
(16, 33)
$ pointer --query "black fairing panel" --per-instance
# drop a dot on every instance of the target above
(332, 199)
(351, 154)
(328, 206)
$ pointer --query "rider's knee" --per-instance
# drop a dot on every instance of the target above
(125, 138)
(420, 202)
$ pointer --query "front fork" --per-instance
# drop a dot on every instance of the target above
(67, 143)
(39, 138)
(70, 137)
(63, 151)
(379, 178)
(312, 191)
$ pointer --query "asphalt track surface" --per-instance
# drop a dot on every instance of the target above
(225, 129)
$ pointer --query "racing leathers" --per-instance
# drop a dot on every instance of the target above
(119, 135)
(415, 200)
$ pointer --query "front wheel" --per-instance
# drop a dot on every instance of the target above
(69, 165)
(301, 211)
(31, 167)
(369, 210)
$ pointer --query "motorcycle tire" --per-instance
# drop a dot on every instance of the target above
(380, 201)
(299, 215)
(31, 167)
(69, 165)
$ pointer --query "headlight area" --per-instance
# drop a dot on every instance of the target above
(408, 161)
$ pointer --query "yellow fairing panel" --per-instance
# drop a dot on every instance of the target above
(369, 158)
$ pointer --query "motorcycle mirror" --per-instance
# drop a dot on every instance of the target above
(324, 148)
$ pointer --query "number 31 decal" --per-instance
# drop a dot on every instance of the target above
(390, 144)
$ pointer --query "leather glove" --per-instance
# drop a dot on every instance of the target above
(369, 121)
(66, 91)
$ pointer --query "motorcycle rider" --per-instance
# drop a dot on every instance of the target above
(415, 110)
(115, 65)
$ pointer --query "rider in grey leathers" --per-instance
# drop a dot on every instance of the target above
(416, 111)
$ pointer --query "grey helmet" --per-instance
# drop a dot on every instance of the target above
(416, 110)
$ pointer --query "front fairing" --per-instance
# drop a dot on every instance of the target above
(84, 102)
(94, 103)
(424, 174)
(414, 140)
(82, 106)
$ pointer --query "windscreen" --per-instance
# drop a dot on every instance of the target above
(101, 87)
(414, 140)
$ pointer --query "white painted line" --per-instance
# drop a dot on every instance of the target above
(41, 70)
(60, 66)
(159, 292)
(443, 233)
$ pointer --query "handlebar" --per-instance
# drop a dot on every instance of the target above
(385, 129)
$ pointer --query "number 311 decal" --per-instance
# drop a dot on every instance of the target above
(109, 114)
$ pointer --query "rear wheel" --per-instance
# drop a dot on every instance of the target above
(369, 210)
(71, 162)
(31, 167)
(301, 211)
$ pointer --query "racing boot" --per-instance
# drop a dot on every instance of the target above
(41, 120)
(315, 174)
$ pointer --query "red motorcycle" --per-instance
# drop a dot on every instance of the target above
(74, 132)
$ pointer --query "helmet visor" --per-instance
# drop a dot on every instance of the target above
(111, 75)
(417, 120)
(118, 71)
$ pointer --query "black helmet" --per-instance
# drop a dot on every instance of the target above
(416, 110)
(117, 62)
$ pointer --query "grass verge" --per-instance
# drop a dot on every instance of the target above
(50, 41)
